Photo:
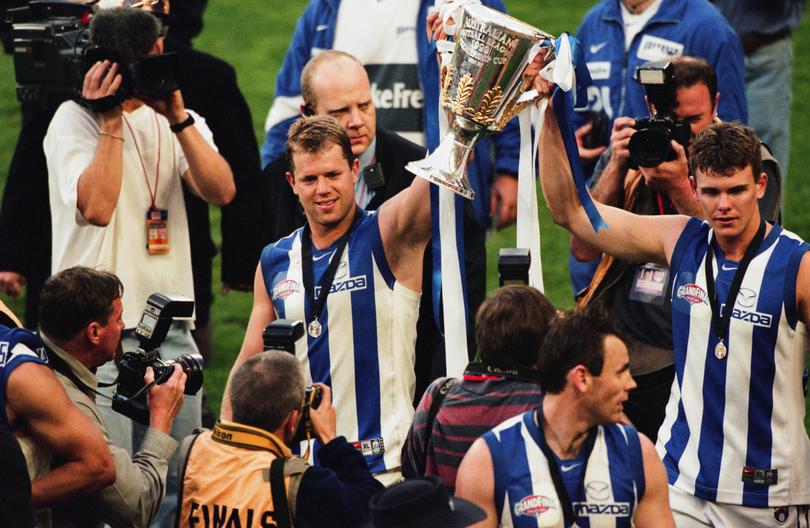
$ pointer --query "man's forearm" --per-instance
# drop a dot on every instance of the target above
(69, 480)
(609, 188)
(210, 174)
(100, 183)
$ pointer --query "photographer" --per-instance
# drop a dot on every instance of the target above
(637, 294)
(114, 178)
(225, 471)
(80, 324)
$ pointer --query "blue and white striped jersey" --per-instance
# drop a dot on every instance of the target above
(525, 496)
(734, 431)
(366, 350)
(17, 346)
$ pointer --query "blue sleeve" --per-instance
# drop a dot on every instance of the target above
(288, 83)
(337, 493)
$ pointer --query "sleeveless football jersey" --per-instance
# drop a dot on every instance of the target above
(524, 491)
(734, 431)
(17, 346)
(365, 352)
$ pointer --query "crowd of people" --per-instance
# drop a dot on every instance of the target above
(672, 395)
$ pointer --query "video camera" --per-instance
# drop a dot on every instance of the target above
(282, 334)
(130, 394)
(650, 145)
(52, 54)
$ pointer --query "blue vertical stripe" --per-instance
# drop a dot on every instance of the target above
(320, 364)
(510, 465)
(763, 373)
(710, 449)
(366, 356)
(685, 262)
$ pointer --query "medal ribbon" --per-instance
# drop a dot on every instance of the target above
(152, 194)
(720, 322)
(328, 275)
(553, 468)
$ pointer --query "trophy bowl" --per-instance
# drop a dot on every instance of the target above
(482, 89)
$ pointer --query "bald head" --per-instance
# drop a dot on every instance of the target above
(335, 84)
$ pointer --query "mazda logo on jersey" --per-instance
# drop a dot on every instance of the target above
(349, 285)
(597, 490)
(397, 96)
(616, 509)
(746, 297)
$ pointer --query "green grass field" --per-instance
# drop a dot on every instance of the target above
(253, 36)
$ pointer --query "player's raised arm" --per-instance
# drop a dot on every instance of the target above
(628, 236)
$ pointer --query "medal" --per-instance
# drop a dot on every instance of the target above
(720, 350)
(314, 329)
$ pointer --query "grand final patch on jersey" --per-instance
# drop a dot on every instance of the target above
(656, 48)
(397, 96)
(693, 294)
(285, 288)
(535, 506)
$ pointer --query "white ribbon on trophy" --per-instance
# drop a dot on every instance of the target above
(454, 315)
(561, 72)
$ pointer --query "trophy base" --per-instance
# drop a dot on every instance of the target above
(444, 179)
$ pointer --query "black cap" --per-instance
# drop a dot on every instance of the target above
(421, 503)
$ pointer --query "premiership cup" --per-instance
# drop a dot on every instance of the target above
(482, 89)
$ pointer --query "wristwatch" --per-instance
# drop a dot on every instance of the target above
(178, 127)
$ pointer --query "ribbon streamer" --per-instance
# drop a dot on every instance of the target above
(448, 234)
(569, 64)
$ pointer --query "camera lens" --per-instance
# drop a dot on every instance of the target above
(193, 367)
(650, 147)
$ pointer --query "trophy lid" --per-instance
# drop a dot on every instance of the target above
(494, 17)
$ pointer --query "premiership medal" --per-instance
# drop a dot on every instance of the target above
(314, 329)
(720, 350)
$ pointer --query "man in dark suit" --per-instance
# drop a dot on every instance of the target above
(334, 83)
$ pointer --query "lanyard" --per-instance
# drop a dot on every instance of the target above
(721, 321)
(314, 328)
(152, 194)
(554, 469)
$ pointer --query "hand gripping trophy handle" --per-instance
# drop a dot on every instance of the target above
(481, 90)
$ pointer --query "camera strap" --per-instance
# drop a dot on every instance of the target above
(61, 366)
(314, 327)
(721, 321)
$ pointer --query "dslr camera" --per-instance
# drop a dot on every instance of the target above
(282, 334)
(650, 145)
(52, 54)
(130, 394)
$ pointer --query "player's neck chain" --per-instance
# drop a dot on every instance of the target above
(721, 321)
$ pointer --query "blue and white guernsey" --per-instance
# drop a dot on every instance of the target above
(17, 346)
(734, 431)
(525, 496)
(366, 350)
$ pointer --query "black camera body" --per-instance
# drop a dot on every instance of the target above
(52, 54)
(130, 394)
(513, 266)
(650, 145)
(282, 335)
